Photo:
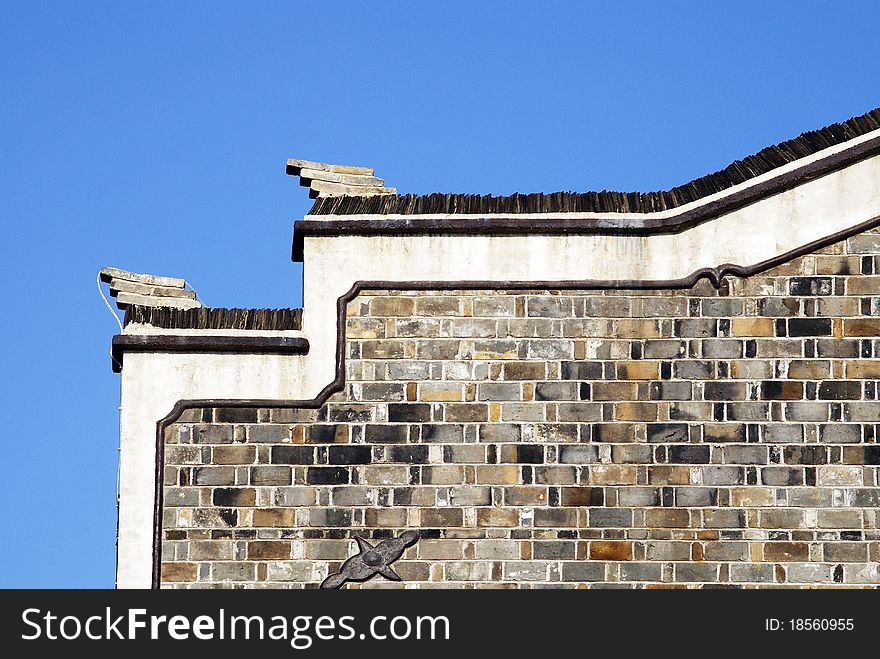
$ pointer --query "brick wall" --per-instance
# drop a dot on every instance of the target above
(563, 438)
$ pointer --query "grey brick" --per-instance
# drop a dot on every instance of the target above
(409, 370)
(233, 571)
(640, 571)
(699, 572)
(696, 496)
(869, 412)
(752, 573)
(578, 454)
(722, 307)
(695, 327)
(212, 434)
(696, 411)
(581, 370)
(632, 454)
(465, 453)
(611, 517)
(724, 518)
(693, 369)
(555, 475)
(635, 497)
(180, 496)
(553, 550)
(500, 432)
(607, 307)
(445, 433)
(722, 475)
(664, 349)
(499, 391)
(745, 455)
(748, 411)
(526, 570)
(724, 432)
(660, 550)
(560, 432)
(466, 495)
(549, 306)
(276, 475)
(498, 305)
(782, 433)
(808, 573)
(583, 571)
(840, 433)
(382, 391)
(466, 328)
(583, 412)
(721, 390)
(214, 476)
(837, 348)
(554, 349)
(722, 349)
(726, 550)
(774, 306)
(780, 476)
(807, 411)
(557, 391)
(668, 432)
(671, 390)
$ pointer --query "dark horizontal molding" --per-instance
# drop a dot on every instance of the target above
(607, 225)
(739, 171)
(279, 345)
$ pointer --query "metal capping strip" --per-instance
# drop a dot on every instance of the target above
(284, 345)
(607, 223)
(714, 275)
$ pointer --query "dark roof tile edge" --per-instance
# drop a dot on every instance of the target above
(740, 171)
(215, 318)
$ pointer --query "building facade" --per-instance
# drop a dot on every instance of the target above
(569, 390)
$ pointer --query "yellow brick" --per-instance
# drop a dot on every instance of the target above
(178, 571)
(627, 328)
(755, 552)
(635, 411)
(638, 370)
(497, 517)
(868, 370)
(752, 327)
(440, 391)
(861, 327)
(497, 474)
(669, 475)
(613, 475)
(391, 306)
(273, 517)
(862, 285)
(752, 496)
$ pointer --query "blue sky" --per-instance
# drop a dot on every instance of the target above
(152, 136)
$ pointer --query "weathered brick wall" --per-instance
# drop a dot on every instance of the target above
(563, 438)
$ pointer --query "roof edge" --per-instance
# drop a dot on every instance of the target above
(740, 171)
(670, 221)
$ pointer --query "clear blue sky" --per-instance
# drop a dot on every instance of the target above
(152, 136)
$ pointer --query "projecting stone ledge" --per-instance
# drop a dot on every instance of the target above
(325, 180)
(132, 288)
